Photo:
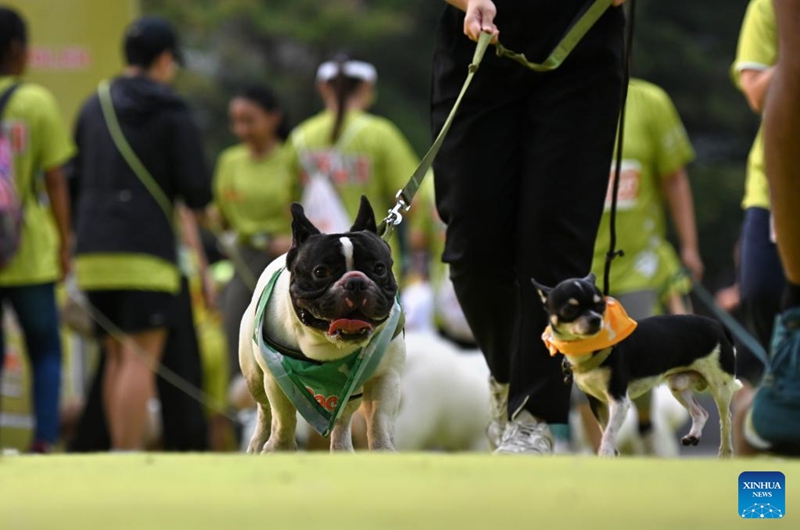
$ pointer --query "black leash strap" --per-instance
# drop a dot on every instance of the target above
(612, 248)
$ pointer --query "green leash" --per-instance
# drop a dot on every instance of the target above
(582, 23)
(127, 152)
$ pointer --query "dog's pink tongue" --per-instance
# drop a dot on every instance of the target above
(344, 325)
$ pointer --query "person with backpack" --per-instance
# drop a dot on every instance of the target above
(35, 234)
(139, 153)
(35, 230)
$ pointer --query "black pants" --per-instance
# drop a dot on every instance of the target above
(761, 285)
(184, 422)
(521, 181)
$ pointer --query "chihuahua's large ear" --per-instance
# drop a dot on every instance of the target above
(543, 290)
(365, 220)
(302, 228)
(591, 278)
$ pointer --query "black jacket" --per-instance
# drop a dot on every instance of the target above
(114, 211)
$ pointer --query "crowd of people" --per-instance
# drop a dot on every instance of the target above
(166, 252)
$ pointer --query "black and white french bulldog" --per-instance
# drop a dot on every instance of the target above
(335, 293)
(688, 352)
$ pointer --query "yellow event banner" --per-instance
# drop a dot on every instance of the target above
(74, 44)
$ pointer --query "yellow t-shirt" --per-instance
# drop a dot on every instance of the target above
(40, 142)
(757, 50)
(376, 160)
(254, 194)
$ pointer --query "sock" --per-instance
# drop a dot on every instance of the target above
(791, 297)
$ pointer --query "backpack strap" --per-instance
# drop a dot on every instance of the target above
(4, 99)
(127, 152)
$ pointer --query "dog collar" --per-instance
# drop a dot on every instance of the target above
(597, 358)
(617, 326)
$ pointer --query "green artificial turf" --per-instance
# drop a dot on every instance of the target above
(414, 491)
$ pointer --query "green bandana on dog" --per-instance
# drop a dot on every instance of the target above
(320, 390)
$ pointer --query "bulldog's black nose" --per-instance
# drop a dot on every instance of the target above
(355, 283)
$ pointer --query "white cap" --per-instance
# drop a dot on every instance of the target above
(355, 69)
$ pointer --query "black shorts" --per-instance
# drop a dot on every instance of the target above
(131, 311)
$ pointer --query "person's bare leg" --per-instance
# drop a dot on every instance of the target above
(773, 412)
(113, 353)
(782, 137)
(134, 387)
(590, 426)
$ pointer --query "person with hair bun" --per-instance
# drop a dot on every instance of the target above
(345, 152)
(253, 188)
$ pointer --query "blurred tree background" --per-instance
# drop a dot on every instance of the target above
(685, 47)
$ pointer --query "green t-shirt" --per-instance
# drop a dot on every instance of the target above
(40, 142)
(757, 50)
(254, 194)
(656, 146)
(374, 160)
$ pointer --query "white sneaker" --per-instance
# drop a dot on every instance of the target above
(499, 410)
(526, 435)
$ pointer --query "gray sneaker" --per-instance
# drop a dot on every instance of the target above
(499, 409)
(526, 435)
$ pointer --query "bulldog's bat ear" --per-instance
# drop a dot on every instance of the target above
(365, 220)
(591, 278)
(302, 228)
(543, 290)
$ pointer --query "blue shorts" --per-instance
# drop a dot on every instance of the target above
(773, 423)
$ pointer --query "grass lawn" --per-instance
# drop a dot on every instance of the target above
(414, 491)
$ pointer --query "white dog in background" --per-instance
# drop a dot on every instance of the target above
(444, 400)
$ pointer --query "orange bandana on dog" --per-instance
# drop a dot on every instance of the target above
(617, 326)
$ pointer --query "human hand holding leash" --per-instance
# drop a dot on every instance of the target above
(480, 17)
(690, 257)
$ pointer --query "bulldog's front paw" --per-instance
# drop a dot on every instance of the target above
(273, 446)
(607, 451)
(254, 447)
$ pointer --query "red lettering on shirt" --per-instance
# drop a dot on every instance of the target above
(629, 183)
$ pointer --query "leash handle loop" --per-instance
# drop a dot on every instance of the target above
(579, 27)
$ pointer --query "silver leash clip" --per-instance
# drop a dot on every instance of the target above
(395, 217)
